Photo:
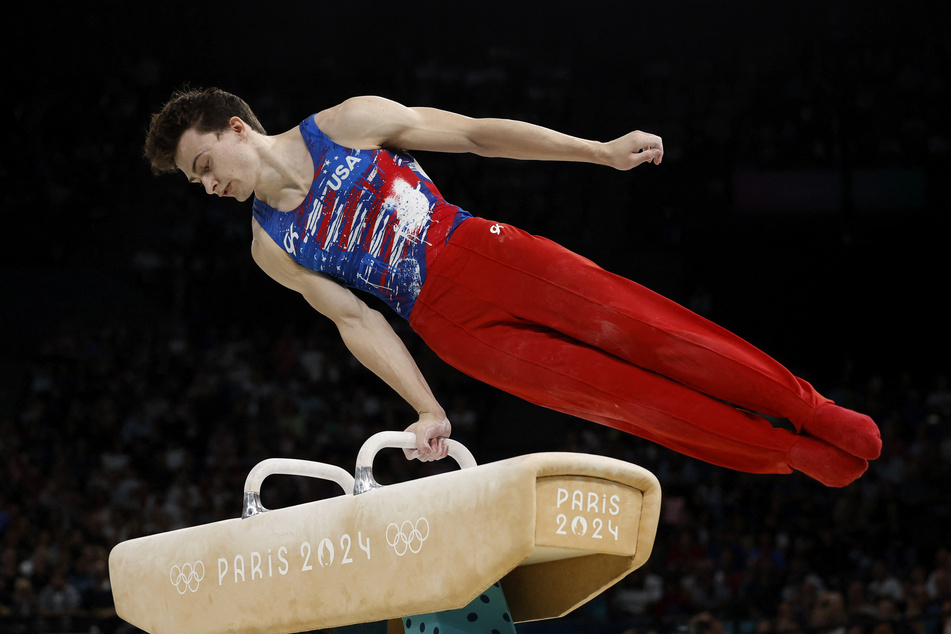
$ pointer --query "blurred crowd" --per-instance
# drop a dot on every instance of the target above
(124, 431)
(144, 420)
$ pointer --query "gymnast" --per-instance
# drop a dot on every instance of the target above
(339, 204)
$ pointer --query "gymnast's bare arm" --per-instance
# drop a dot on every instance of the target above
(374, 122)
(368, 336)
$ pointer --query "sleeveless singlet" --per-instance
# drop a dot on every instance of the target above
(372, 219)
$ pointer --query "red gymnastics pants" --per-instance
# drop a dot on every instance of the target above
(530, 317)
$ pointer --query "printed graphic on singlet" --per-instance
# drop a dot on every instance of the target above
(368, 220)
(368, 227)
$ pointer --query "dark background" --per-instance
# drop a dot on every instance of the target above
(830, 91)
(802, 203)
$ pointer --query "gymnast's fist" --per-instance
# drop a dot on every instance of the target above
(633, 149)
(431, 434)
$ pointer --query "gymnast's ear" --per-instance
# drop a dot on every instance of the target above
(238, 126)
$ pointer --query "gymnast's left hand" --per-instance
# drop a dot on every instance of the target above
(633, 149)
(431, 431)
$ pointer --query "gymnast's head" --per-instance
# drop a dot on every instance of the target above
(186, 132)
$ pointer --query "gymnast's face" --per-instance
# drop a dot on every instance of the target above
(222, 162)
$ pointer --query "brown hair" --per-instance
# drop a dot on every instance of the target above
(204, 109)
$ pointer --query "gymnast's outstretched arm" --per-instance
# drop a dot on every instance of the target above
(374, 122)
(368, 336)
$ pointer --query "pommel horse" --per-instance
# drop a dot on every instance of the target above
(556, 528)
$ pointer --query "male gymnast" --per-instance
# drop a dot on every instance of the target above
(339, 204)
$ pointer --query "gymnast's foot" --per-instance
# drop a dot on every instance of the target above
(849, 431)
(827, 464)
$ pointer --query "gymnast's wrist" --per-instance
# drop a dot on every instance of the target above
(435, 412)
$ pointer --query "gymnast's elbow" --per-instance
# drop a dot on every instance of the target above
(359, 317)
(339, 304)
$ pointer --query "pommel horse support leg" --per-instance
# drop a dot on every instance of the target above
(556, 528)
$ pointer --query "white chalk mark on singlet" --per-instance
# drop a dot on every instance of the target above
(412, 209)
(412, 217)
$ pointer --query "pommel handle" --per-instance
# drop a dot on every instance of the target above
(288, 466)
(364, 481)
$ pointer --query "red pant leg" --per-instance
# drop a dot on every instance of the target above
(553, 370)
(535, 280)
(529, 317)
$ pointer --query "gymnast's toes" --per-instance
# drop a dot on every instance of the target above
(827, 464)
(850, 431)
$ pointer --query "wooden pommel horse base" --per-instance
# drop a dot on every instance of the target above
(556, 528)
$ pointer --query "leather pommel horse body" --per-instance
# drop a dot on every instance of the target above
(556, 528)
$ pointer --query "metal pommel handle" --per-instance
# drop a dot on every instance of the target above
(398, 440)
(288, 466)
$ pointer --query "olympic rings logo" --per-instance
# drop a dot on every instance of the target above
(407, 537)
(186, 578)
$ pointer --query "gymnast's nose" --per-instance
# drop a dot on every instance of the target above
(210, 184)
